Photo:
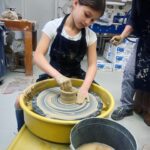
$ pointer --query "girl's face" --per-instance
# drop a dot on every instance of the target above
(83, 16)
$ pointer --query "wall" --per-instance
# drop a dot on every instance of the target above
(38, 10)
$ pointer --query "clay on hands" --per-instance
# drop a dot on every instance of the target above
(116, 40)
(81, 98)
(64, 83)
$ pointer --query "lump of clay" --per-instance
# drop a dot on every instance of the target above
(9, 14)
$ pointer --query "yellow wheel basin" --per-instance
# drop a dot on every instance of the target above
(53, 129)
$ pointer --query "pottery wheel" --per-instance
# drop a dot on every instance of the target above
(48, 103)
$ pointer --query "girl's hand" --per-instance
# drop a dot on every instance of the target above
(64, 83)
(82, 96)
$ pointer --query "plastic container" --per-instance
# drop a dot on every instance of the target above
(102, 131)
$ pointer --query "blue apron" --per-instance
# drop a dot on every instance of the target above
(142, 68)
(66, 55)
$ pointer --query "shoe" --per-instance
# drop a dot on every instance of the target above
(121, 112)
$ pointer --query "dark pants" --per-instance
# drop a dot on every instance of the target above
(20, 118)
(142, 105)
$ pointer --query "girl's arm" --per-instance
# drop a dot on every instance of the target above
(41, 61)
(90, 74)
(91, 71)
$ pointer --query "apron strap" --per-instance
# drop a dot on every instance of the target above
(59, 29)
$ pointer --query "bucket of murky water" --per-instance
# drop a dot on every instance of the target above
(101, 134)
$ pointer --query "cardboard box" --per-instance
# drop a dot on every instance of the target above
(103, 65)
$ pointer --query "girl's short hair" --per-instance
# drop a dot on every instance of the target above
(98, 5)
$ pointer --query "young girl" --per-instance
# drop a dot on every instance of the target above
(70, 39)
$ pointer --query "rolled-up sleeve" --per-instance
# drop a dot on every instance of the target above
(132, 20)
(135, 17)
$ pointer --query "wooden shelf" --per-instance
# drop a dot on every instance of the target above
(30, 39)
(115, 3)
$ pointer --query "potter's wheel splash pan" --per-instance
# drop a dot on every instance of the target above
(52, 129)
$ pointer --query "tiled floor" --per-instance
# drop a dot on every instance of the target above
(109, 80)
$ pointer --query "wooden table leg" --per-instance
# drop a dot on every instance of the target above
(28, 52)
